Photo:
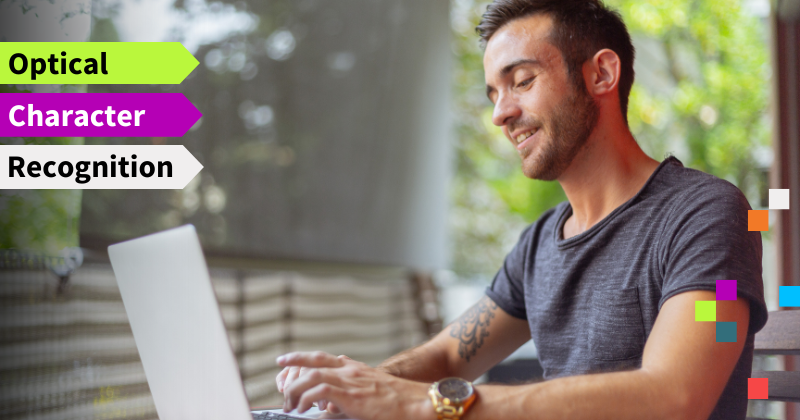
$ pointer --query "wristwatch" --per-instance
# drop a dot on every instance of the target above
(451, 398)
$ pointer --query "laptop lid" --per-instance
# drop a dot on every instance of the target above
(178, 328)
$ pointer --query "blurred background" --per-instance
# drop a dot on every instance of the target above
(355, 196)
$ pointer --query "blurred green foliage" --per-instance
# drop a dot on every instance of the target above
(701, 93)
(39, 220)
(44, 221)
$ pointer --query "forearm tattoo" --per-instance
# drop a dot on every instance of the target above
(473, 327)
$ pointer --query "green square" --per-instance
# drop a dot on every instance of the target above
(705, 310)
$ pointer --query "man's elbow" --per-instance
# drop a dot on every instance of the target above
(675, 400)
(688, 404)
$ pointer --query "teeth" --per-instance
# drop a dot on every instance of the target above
(523, 136)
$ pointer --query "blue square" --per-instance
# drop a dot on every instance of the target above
(726, 332)
(789, 296)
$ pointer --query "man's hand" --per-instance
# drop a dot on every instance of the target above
(354, 388)
(289, 374)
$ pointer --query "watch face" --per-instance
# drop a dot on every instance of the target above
(455, 389)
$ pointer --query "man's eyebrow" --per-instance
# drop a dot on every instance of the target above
(522, 61)
(509, 67)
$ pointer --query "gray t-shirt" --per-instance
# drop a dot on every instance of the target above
(591, 300)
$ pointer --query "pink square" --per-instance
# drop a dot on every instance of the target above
(726, 289)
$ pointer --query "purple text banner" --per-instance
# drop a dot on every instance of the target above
(96, 115)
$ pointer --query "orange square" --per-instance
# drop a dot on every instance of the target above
(757, 388)
(757, 220)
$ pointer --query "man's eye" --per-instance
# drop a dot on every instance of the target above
(525, 82)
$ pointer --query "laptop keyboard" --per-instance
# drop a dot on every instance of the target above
(271, 415)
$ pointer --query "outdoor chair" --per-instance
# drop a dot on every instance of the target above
(780, 336)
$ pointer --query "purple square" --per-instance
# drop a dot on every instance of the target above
(726, 289)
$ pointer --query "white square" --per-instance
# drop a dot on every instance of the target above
(778, 199)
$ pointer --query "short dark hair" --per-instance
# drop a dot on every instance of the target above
(581, 28)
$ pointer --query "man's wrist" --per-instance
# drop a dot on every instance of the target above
(425, 411)
(446, 399)
(477, 400)
(387, 369)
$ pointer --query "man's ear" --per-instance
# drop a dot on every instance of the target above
(602, 73)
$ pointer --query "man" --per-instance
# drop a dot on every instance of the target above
(605, 283)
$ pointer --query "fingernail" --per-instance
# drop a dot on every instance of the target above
(281, 359)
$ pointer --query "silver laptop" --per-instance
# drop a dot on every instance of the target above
(178, 329)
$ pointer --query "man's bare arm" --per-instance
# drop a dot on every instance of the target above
(482, 337)
(684, 371)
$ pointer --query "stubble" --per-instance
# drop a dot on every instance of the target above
(566, 132)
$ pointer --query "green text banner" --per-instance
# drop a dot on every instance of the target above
(131, 63)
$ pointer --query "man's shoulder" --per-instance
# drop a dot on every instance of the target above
(691, 190)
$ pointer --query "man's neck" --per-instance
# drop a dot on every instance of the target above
(607, 172)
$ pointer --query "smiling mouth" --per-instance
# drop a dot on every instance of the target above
(520, 138)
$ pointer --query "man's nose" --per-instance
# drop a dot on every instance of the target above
(506, 111)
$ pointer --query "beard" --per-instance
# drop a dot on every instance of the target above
(566, 131)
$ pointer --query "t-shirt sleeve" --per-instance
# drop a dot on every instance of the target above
(707, 239)
(507, 289)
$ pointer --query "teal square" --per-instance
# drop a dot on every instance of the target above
(726, 332)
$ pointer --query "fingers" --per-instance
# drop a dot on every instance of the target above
(294, 373)
(325, 405)
(317, 359)
(320, 391)
(281, 378)
(333, 409)
(311, 379)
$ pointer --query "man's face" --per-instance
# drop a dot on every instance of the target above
(546, 118)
